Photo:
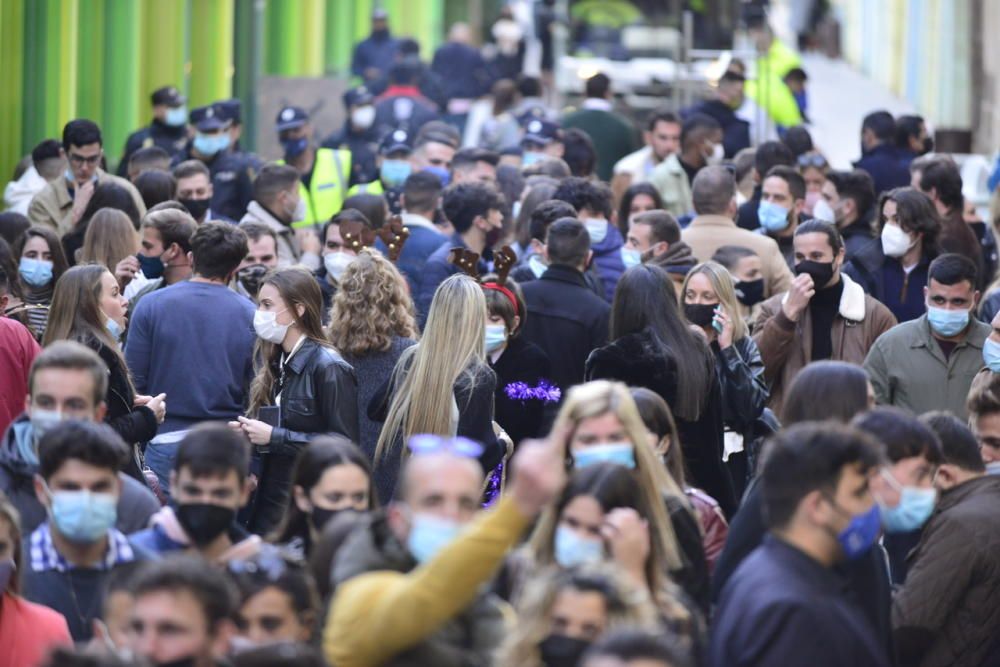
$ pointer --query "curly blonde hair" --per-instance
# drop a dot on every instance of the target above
(372, 306)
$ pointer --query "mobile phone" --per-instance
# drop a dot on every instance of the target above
(715, 323)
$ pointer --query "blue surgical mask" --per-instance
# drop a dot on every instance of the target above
(35, 272)
(597, 228)
(152, 267)
(394, 172)
(572, 550)
(773, 218)
(946, 322)
(82, 516)
(294, 147)
(621, 453)
(209, 145)
(496, 336)
(176, 117)
(914, 508)
(531, 157)
(631, 257)
(443, 174)
(537, 266)
(114, 329)
(41, 422)
(991, 355)
(429, 534)
(860, 534)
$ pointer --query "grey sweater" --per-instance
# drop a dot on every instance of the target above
(373, 371)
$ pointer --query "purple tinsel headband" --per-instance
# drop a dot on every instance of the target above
(545, 392)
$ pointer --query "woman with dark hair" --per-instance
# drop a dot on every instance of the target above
(653, 347)
(106, 195)
(155, 186)
(827, 390)
(637, 199)
(278, 600)
(41, 263)
(893, 268)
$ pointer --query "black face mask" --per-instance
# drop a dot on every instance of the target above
(196, 207)
(928, 145)
(821, 272)
(493, 236)
(700, 314)
(750, 292)
(562, 651)
(319, 518)
(250, 277)
(203, 522)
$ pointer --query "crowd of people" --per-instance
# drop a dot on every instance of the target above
(516, 387)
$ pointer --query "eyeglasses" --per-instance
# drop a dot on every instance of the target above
(427, 443)
(812, 160)
(84, 159)
(270, 564)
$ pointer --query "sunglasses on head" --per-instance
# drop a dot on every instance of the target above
(427, 443)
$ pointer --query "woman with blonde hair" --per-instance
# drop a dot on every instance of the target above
(88, 308)
(442, 385)
(710, 304)
(110, 238)
(371, 323)
(303, 388)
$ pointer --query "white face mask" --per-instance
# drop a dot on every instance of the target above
(597, 228)
(895, 241)
(299, 214)
(823, 212)
(363, 117)
(718, 153)
(336, 263)
(265, 323)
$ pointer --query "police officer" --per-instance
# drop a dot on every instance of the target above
(358, 135)
(232, 172)
(394, 167)
(325, 172)
(232, 110)
(168, 130)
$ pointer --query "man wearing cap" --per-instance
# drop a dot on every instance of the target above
(324, 173)
(358, 135)
(168, 129)
(542, 139)
(373, 56)
(403, 105)
(232, 111)
(232, 172)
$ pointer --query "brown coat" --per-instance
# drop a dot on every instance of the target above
(708, 233)
(785, 346)
(53, 207)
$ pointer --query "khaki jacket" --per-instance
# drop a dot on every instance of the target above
(671, 181)
(289, 252)
(786, 346)
(53, 207)
(908, 369)
(708, 233)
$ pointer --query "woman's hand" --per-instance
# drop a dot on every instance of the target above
(726, 323)
(627, 535)
(158, 404)
(257, 432)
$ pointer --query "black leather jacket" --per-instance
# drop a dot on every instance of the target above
(319, 396)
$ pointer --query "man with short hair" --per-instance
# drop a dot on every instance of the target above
(198, 328)
(375, 54)
(745, 267)
(262, 256)
(942, 182)
(654, 237)
(402, 104)
(614, 136)
(278, 204)
(879, 155)
(766, 157)
(183, 613)
(419, 568)
(729, 98)
(531, 263)
(984, 410)
(195, 191)
(167, 131)
(786, 603)
(420, 200)
(912, 137)
(67, 381)
(662, 138)
(565, 318)
(164, 257)
(433, 151)
(48, 162)
(929, 363)
(701, 145)
(61, 203)
(71, 553)
(782, 200)
(358, 136)
(474, 164)
(592, 201)
(848, 200)
(714, 197)
(542, 140)
(151, 158)
(946, 612)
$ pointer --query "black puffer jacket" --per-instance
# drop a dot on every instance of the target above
(134, 425)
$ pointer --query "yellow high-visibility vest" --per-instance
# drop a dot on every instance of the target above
(328, 187)
(373, 188)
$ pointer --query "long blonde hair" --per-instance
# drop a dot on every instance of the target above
(109, 239)
(450, 351)
(722, 284)
(371, 307)
(601, 397)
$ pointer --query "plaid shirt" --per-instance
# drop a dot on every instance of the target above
(44, 555)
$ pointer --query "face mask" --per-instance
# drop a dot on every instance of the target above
(176, 117)
(716, 156)
(823, 212)
(821, 272)
(860, 534)
(531, 157)
(496, 336)
(394, 172)
(196, 207)
(320, 516)
(597, 228)
(993, 468)
(773, 218)
(620, 453)
(631, 257)
(429, 534)
(537, 266)
(928, 144)
(991, 355)
(750, 292)
(6, 573)
(265, 323)
(82, 516)
(250, 278)
(562, 651)
(572, 550)
(42, 421)
(914, 508)
(114, 329)
(363, 117)
(294, 147)
(336, 263)
(493, 236)
(515, 209)
(35, 272)
(299, 213)
(209, 145)
(895, 241)
(700, 314)
(203, 522)
(443, 174)
(948, 323)
(152, 267)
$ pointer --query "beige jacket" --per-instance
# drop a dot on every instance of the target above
(289, 251)
(53, 207)
(671, 181)
(708, 233)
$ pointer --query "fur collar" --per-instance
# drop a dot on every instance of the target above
(852, 300)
